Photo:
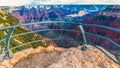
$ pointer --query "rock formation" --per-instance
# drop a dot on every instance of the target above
(54, 57)
(75, 58)
(39, 52)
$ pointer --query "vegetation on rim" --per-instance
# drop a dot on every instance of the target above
(7, 20)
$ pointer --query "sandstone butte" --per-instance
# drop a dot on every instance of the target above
(56, 57)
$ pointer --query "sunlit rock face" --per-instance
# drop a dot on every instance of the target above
(82, 13)
(68, 58)
(79, 14)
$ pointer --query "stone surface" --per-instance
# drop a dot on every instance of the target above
(67, 58)
(75, 58)
(25, 53)
(55, 57)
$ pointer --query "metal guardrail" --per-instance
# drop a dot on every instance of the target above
(6, 54)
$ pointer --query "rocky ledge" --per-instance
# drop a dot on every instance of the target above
(55, 57)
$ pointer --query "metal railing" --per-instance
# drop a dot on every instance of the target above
(6, 54)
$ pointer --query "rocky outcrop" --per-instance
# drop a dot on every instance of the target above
(75, 58)
(53, 57)
(26, 53)
(49, 42)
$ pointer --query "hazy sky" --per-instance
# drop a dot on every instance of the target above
(22, 2)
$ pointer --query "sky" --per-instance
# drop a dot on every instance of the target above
(24, 2)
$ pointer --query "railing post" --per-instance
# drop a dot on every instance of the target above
(7, 54)
(84, 38)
